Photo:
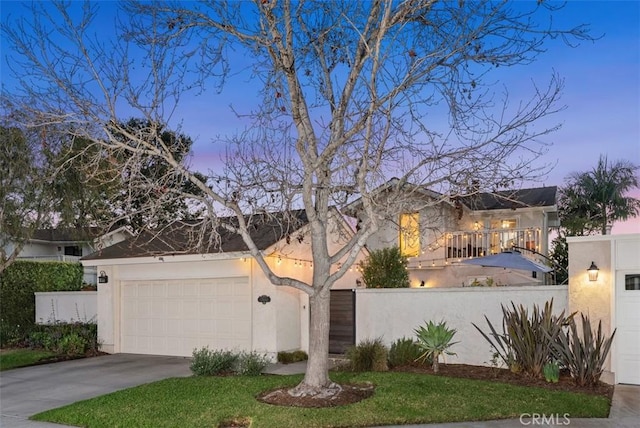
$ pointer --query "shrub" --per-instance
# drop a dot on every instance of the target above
(526, 342)
(292, 357)
(368, 355)
(435, 340)
(551, 372)
(403, 351)
(65, 338)
(251, 363)
(208, 362)
(385, 268)
(72, 344)
(584, 355)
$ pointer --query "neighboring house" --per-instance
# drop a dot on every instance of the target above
(68, 245)
(436, 234)
(176, 290)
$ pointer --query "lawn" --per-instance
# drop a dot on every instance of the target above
(13, 358)
(400, 398)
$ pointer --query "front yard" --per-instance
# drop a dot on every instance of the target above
(399, 398)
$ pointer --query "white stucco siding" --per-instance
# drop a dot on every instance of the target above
(395, 313)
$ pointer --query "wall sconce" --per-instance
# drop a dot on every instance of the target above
(593, 272)
(103, 278)
(264, 299)
(421, 283)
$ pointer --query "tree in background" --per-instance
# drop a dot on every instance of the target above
(25, 197)
(345, 96)
(385, 268)
(591, 202)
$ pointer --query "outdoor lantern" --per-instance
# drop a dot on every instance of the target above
(103, 278)
(593, 272)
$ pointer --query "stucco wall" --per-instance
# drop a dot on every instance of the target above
(66, 306)
(395, 313)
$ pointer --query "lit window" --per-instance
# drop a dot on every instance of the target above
(410, 234)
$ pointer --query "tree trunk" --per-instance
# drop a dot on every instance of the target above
(436, 362)
(316, 382)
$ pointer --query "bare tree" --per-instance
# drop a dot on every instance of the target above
(349, 95)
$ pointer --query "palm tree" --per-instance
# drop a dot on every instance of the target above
(595, 199)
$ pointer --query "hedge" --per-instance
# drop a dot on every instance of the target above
(21, 279)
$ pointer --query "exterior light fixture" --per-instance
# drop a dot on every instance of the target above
(264, 299)
(103, 278)
(593, 272)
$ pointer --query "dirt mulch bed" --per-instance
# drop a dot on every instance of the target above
(349, 394)
(565, 383)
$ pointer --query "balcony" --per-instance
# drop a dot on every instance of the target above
(463, 245)
(56, 258)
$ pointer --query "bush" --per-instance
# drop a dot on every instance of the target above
(251, 364)
(65, 338)
(21, 279)
(385, 268)
(208, 362)
(368, 355)
(292, 357)
(583, 356)
(435, 340)
(526, 343)
(403, 352)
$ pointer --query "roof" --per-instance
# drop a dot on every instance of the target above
(183, 238)
(512, 199)
(82, 234)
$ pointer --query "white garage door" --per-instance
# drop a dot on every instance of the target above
(175, 317)
(627, 339)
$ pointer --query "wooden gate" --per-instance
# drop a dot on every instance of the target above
(342, 324)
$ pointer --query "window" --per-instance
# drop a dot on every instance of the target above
(410, 234)
(632, 282)
(73, 250)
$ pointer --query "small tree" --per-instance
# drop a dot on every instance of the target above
(435, 340)
(385, 268)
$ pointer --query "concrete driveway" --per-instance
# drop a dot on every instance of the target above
(30, 390)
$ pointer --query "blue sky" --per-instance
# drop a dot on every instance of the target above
(602, 93)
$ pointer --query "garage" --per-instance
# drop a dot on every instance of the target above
(628, 327)
(174, 317)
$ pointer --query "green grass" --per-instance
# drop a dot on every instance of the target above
(400, 398)
(13, 358)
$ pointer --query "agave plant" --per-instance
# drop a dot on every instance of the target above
(435, 340)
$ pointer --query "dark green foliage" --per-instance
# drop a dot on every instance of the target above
(433, 341)
(21, 279)
(368, 356)
(526, 343)
(65, 338)
(403, 352)
(584, 355)
(385, 268)
(292, 357)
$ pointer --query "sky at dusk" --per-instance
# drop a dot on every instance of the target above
(601, 94)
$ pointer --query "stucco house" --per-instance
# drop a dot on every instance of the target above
(436, 233)
(173, 291)
(68, 245)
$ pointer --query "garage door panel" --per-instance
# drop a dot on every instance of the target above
(627, 341)
(176, 317)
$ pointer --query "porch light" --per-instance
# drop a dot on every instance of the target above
(103, 278)
(593, 272)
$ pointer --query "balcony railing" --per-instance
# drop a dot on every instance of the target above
(462, 245)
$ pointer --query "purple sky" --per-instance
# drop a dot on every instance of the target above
(602, 94)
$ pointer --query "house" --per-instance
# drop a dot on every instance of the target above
(185, 287)
(436, 233)
(68, 245)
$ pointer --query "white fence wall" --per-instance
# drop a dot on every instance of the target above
(394, 313)
(66, 306)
